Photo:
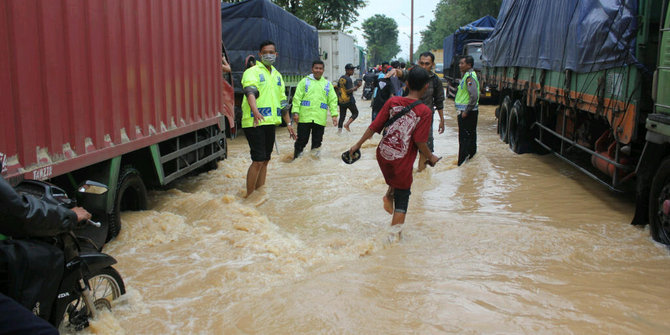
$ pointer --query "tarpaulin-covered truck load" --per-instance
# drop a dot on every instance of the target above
(127, 93)
(245, 25)
(577, 80)
(465, 41)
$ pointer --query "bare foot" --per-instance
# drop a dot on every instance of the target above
(346, 126)
(388, 204)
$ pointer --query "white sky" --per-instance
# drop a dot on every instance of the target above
(394, 9)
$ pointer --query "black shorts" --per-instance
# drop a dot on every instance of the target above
(401, 200)
(261, 140)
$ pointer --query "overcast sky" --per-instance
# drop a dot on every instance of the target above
(395, 10)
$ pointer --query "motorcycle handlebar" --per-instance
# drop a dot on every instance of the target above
(93, 223)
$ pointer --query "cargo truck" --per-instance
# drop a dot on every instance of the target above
(465, 41)
(127, 93)
(246, 24)
(593, 88)
(338, 49)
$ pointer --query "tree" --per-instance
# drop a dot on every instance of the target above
(452, 14)
(381, 36)
(324, 14)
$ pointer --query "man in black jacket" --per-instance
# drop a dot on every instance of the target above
(26, 216)
(434, 99)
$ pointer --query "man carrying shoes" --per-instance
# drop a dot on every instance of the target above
(406, 122)
(313, 98)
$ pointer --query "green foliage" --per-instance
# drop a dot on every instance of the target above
(381, 36)
(324, 14)
(451, 15)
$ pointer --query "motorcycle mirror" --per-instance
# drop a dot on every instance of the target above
(92, 187)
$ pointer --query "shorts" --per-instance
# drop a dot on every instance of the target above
(261, 140)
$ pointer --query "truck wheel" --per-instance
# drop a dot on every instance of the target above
(131, 194)
(503, 119)
(659, 204)
(518, 129)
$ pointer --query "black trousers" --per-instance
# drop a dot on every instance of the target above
(343, 113)
(467, 136)
(303, 136)
(16, 319)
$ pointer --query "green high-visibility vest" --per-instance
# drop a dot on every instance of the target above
(271, 93)
(313, 98)
(463, 96)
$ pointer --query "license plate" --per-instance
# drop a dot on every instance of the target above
(488, 94)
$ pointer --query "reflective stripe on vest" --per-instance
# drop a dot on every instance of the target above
(306, 85)
(305, 103)
(462, 98)
(324, 106)
(267, 111)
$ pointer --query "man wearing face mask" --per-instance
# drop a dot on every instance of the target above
(263, 106)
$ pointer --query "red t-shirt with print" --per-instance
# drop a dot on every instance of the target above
(397, 150)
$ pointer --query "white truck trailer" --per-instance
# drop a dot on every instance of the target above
(337, 49)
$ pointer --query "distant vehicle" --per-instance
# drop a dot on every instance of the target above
(466, 40)
(595, 93)
(338, 49)
(439, 68)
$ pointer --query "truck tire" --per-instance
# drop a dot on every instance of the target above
(518, 131)
(503, 119)
(131, 194)
(659, 221)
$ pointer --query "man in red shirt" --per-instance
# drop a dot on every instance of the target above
(401, 140)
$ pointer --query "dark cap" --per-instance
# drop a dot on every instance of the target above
(349, 67)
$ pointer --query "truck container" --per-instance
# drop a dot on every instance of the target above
(337, 49)
(466, 41)
(128, 93)
(246, 24)
(583, 88)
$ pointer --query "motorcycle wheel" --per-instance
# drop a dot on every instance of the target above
(106, 285)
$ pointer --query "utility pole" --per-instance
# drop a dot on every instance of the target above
(411, 35)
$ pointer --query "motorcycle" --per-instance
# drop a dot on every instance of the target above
(88, 283)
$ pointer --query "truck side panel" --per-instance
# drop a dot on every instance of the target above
(85, 81)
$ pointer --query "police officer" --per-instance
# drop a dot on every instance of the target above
(313, 97)
(467, 105)
(263, 106)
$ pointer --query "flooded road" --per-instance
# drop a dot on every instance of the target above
(504, 244)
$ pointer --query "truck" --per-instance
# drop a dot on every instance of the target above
(465, 41)
(246, 24)
(126, 93)
(439, 62)
(338, 49)
(592, 88)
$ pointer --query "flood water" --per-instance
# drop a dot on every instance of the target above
(505, 244)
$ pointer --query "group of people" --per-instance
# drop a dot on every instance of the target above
(403, 105)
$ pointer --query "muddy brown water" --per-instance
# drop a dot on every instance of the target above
(505, 244)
